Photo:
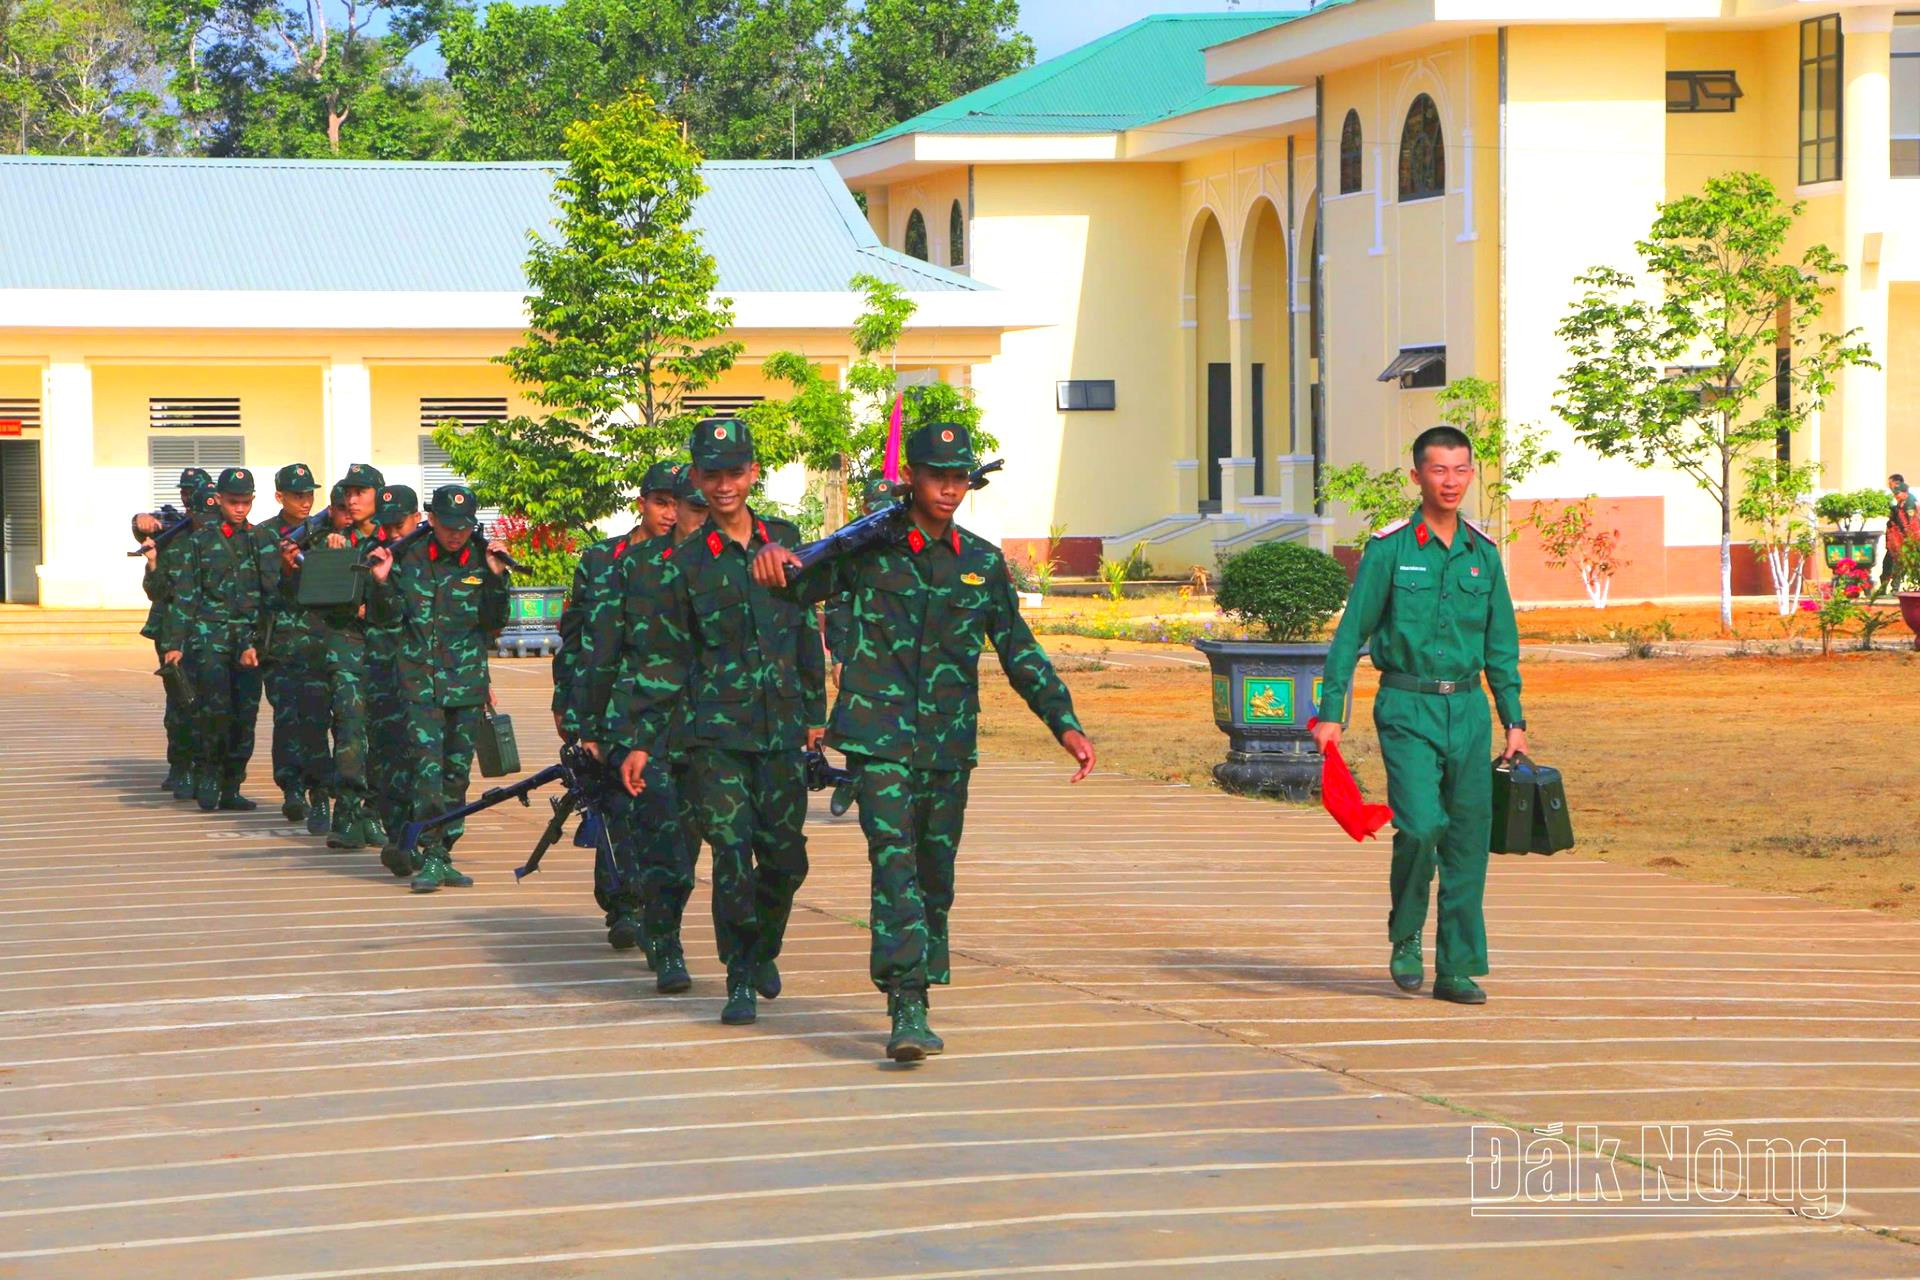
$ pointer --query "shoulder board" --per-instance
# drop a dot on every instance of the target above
(1475, 526)
(1395, 527)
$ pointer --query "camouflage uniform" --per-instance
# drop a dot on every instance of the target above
(216, 610)
(908, 709)
(447, 606)
(753, 673)
(293, 665)
(343, 639)
(156, 582)
(838, 620)
(391, 785)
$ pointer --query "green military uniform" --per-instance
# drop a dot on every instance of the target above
(447, 606)
(343, 636)
(1434, 617)
(908, 710)
(753, 674)
(156, 581)
(216, 612)
(391, 785)
(293, 665)
(838, 620)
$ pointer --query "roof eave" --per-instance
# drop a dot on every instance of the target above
(1198, 132)
(913, 154)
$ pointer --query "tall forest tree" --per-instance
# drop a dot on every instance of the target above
(78, 77)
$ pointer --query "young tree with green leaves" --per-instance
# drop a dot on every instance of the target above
(625, 324)
(1688, 378)
(1774, 504)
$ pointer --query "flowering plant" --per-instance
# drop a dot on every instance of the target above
(550, 551)
(1836, 602)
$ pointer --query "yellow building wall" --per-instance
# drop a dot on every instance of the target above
(1902, 359)
(934, 196)
(397, 390)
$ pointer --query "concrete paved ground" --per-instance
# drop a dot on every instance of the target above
(227, 1051)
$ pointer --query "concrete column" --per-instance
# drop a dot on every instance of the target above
(1186, 485)
(1236, 482)
(349, 417)
(1240, 354)
(1295, 485)
(80, 558)
(1857, 418)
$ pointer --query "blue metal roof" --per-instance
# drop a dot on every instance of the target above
(322, 225)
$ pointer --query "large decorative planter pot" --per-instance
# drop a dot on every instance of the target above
(1857, 545)
(1910, 614)
(1263, 696)
(533, 622)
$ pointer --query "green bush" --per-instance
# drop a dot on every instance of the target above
(1287, 588)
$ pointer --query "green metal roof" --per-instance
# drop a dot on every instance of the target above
(773, 226)
(1153, 70)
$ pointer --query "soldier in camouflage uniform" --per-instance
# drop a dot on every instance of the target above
(877, 493)
(583, 678)
(449, 597)
(754, 676)
(351, 824)
(159, 574)
(216, 613)
(396, 512)
(908, 707)
(292, 665)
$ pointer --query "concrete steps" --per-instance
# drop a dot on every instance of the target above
(29, 625)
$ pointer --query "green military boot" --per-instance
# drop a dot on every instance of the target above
(742, 1007)
(912, 1039)
(319, 813)
(766, 979)
(232, 801)
(623, 933)
(293, 804)
(1406, 966)
(183, 784)
(1458, 990)
(173, 778)
(670, 968)
(206, 791)
(396, 859)
(345, 831)
(437, 871)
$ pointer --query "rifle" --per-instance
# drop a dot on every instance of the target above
(513, 566)
(173, 523)
(586, 788)
(877, 526)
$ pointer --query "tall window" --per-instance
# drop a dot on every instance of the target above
(1350, 154)
(956, 236)
(1906, 95)
(1423, 152)
(917, 236)
(1820, 115)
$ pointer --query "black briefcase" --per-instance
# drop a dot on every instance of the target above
(330, 577)
(493, 743)
(1529, 808)
(179, 684)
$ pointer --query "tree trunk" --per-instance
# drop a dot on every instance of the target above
(834, 494)
(1726, 543)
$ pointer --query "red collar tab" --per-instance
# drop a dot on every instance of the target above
(433, 551)
(466, 554)
(226, 528)
(621, 549)
(666, 553)
(1420, 534)
(916, 541)
(760, 527)
(953, 536)
(715, 542)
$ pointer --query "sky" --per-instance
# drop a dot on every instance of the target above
(1059, 25)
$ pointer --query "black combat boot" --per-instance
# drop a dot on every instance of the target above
(766, 980)
(623, 933)
(206, 791)
(293, 804)
(345, 830)
(173, 778)
(319, 813)
(742, 1007)
(670, 972)
(912, 1039)
(233, 801)
(183, 784)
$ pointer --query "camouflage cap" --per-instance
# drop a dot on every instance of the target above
(661, 477)
(194, 477)
(722, 442)
(295, 477)
(236, 482)
(395, 503)
(684, 488)
(455, 506)
(337, 495)
(206, 503)
(877, 493)
(361, 475)
(941, 444)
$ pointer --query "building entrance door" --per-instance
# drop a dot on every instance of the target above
(20, 521)
(1219, 429)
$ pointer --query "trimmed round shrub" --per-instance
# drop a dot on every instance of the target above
(1287, 588)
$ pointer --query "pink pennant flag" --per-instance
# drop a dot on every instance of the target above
(891, 469)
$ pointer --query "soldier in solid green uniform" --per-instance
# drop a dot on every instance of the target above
(216, 614)
(291, 663)
(1431, 603)
(155, 581)
(448, 596)
(583, 672)
(908, 708)
(396, 513)
(754, 675)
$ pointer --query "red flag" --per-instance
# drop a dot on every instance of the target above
(890, 470)
(1341, 795)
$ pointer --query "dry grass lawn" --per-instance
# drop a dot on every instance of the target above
(1798, 775)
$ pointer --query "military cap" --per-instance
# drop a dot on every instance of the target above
(194, 477)
(684, 488)
(295, 477)
(877, 493)
(454, 506)
(236, 482)
(337, 495)
(361, 475)
(722, 442)
(205, 504)
(941, 444)
(661, 476)
(395, 503)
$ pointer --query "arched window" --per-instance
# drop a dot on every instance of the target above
(956, 236)
(1423, 152)
(917, 236)
(1350, 154)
